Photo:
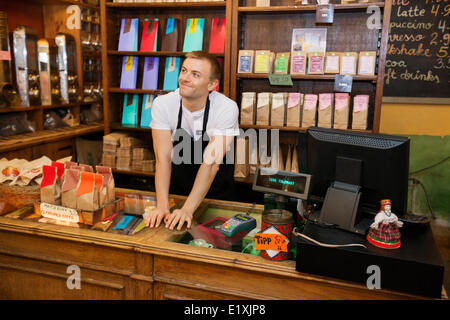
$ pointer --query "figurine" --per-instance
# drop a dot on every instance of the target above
(384, 231)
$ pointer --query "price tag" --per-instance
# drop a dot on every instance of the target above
(59, 213)
(269, 241)
(325, 13)
(280, 79)
(343, 83)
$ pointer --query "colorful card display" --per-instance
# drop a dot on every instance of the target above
(172, 70)
(128, 40)
(217, 39)
(146, 112)
(129, 72)
(150, 78)
(193, 37)
(149, 40)
(169, 40)
(130, 109)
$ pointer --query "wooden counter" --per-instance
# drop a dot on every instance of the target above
(34, 258)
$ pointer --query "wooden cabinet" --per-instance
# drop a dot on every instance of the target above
(49, 17)
(35, 259)
(112, 13)
(270, 28)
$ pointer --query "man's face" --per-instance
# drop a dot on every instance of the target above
(194, 80)
(387, 208)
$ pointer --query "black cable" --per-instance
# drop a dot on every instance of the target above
(417, 181)
(429, 167)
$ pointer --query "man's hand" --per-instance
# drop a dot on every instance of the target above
(155, 216)
(179, 216)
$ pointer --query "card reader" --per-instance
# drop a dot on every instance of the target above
(237, 223)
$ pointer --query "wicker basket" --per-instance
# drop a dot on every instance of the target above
(20, 196)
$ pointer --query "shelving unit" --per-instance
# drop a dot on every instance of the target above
(49, 17)
(254, 29)
(111, 14)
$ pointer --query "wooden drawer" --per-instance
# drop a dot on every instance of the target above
(164, 291)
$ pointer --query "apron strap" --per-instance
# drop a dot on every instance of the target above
(205, 115)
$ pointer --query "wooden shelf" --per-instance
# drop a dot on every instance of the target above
(304, 77)
(32, 108)
(166, 5)
(136, 91)
(66, 2)
(121, 127)
(282, 128)
(43, 136)
(154, 53)
(134, 172)
(307, 8)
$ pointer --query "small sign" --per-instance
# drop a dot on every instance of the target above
(325, 13)
(270, 241)
(280, 79)
(59, 213)
(343, 83)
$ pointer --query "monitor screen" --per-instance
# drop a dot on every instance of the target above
(378, 163)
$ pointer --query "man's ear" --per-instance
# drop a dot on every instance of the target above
(212, 84)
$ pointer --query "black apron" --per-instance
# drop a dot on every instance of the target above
(183, 175)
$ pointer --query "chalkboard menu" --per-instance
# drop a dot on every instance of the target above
(417, 58)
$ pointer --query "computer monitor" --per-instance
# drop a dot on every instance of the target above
(377, 163)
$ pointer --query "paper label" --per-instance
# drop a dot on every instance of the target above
(262, 63)
(170, 25)
(341, 101)
(192, 26)
(128, 63)
(366, 64)
(59, 213)
(316, 63)
(348, 64)
(245, 63)
(268, 241)
(360, 103)
(293, 100)
(310, 101)
(324, 101)
(332, 64)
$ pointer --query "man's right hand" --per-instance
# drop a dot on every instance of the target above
(154, 218)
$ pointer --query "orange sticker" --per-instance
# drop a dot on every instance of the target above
(269, 241)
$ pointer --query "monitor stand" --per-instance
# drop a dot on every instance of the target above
(341, 205)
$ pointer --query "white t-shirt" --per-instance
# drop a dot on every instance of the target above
(222, 118)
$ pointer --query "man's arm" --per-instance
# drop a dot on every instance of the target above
(162, 145)
(212, 157)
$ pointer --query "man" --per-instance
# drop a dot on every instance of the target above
(198, 114)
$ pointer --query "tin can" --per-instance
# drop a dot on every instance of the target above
(281, 222)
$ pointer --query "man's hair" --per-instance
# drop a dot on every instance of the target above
(215, 66)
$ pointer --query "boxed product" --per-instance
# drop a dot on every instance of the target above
(316, 62)
(341, 110)
(248, 104)
(263, 108)
(366, 63)
(309, 110)
(360, 111)
(349, 61)
(325, 110)
(245, 62)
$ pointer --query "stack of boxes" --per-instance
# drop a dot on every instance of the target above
(126, 152)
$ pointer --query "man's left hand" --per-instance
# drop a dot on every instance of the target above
(179, 216)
